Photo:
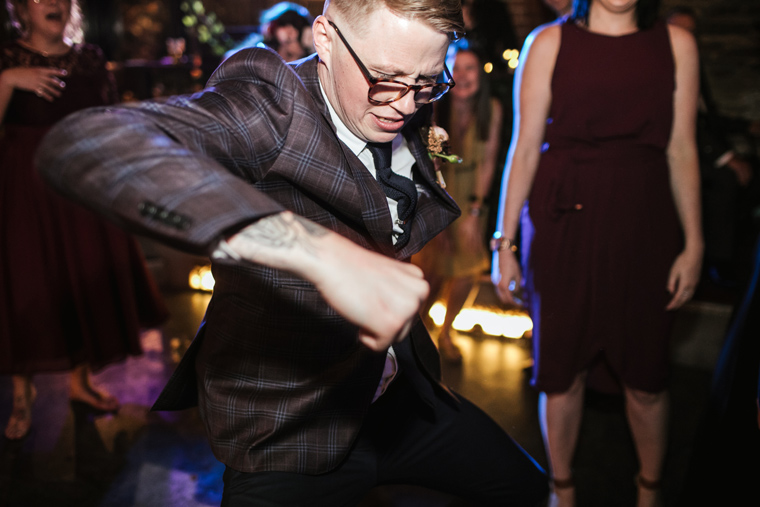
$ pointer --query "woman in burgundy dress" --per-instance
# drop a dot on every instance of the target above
(74, 291)
(605, 156)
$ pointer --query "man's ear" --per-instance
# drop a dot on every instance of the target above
(323, 39)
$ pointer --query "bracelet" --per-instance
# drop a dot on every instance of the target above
(499, 243)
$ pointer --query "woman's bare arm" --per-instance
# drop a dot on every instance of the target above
(684, 168)
(532, 98)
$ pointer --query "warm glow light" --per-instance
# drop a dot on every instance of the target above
(510, 54)
(512, 63)
(438, 313)
(488, 67)
(201, 278)
(493, 321)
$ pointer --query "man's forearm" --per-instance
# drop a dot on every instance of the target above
(380, 295)
(282, 241)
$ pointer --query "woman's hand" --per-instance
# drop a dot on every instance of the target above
(683, 277)
(506, 276)
(45, 82)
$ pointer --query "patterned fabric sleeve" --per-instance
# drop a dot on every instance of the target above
(177, 169)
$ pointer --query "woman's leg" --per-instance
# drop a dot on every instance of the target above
(458, 292)
(81, 389)
(560, 417)
(20, 420)
(648, 416)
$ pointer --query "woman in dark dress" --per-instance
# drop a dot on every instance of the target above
(74, 291)
(605, 156)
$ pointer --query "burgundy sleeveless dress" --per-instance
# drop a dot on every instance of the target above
(73, 288)
(605, 228)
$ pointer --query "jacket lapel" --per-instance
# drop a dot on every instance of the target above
(435, 208)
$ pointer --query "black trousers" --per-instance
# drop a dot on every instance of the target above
(455, 448)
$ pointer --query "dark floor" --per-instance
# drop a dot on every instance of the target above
(139, 458)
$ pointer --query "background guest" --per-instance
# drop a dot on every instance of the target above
(284, 27)
(604, 122)
(473, 119)
(74, 291)
(490, 28)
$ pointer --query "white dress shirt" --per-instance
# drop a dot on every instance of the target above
(402, 161)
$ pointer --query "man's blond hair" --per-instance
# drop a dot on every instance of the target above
(444, 16)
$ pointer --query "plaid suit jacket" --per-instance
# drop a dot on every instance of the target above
(280, 378)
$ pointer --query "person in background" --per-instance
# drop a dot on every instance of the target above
(284, 27)
(489, 27)
(605, 156)
(310, 186)
(74, 291)
(458, 256)
(725, 175)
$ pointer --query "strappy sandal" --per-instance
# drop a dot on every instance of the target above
(20, 421)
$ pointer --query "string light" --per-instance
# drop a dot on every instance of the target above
(512, 57)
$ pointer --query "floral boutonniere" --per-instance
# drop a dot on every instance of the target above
(438, 150)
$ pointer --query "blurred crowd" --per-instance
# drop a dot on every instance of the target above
(624, 194)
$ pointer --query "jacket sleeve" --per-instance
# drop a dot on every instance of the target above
(183, 170)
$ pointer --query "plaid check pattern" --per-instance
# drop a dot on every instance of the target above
(279, 377)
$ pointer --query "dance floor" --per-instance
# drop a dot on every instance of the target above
(138, 458)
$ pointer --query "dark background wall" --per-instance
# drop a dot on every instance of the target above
(729, 40)
(729, 35)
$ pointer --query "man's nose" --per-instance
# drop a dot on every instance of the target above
(406, 104)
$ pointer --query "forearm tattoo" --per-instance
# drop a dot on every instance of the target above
(284, 231)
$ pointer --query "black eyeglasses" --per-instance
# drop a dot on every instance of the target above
(385, 91)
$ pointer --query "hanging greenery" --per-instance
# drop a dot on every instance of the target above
(206, 27)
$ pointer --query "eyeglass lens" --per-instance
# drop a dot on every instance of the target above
(389, 91)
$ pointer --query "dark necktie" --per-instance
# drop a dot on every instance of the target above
(395, 186)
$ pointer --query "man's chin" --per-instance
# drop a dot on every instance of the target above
(383, 137)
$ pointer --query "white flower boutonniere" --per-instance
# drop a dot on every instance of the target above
(438, 150)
